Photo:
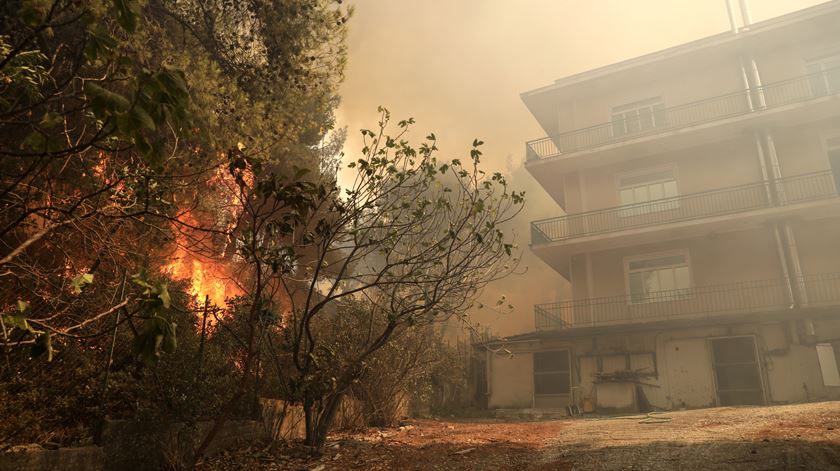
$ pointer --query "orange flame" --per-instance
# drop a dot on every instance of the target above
(207, 277)
(206, 280)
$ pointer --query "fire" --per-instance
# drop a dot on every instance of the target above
(207, 278)
(205, 281)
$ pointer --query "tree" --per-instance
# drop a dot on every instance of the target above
(415, 238)
(112, 154)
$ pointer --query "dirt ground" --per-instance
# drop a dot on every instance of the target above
(794, 437)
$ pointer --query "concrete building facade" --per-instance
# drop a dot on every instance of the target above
(700, 227)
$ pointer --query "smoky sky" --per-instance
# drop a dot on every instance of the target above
(458, 67)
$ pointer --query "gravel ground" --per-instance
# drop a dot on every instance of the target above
(795, 437)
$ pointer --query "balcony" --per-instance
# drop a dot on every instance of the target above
(725, 201)
(741, 103)
(694, 303)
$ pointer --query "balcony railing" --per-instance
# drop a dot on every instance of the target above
(697, 302)
(736, 199)
(768, 96)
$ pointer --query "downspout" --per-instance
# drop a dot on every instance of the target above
(789, 236)
(746, 80)
(745, 13)
(773, 157)
(759, 90)
(780, 249)
(733, 25)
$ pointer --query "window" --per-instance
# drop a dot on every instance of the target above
(824, 75)
(638, 117)
(551, 373)
(648, 186)
(658, 278)
(828, 359)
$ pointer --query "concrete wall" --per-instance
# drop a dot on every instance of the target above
(716, 259)
(678, 82)
(801, 149)
(511, 379)
(35, 458)
(818, 244)
(131, 445)
(696, 169)
(682, 374)
(785, 59)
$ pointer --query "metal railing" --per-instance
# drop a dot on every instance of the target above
(736, 199)
(742, 102)
(697, 302)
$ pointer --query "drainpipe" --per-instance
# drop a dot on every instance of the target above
(745, 79)
(790, 237)
(745, 12)
(763, 164)
(780, 248)
(733, 24)
(797, 267)
(759, 91)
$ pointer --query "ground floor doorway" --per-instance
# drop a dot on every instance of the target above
(737, 372)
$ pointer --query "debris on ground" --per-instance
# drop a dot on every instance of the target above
(802, 436)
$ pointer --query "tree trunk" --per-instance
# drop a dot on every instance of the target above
(324, 422)
(309, 415)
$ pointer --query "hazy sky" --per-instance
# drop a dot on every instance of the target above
(458, 67)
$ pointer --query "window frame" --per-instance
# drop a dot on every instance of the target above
(689, 291)
(633, 212)
(648, 104)
(534, 372)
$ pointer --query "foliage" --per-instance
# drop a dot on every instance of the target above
(415, 238)
(118, 120)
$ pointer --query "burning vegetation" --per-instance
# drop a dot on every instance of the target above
(159, 154)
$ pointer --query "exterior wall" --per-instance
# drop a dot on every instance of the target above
(801, 149)
(788, 60)
(696, 169)
(681, 373)
(511, 380)
(718, 259)
(818, 243)
(678, 82)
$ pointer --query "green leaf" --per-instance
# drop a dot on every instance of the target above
(17, 321)
(80, 281)
(35, 141)
(163, 295)
(103, 99)
(51, 119)
(170, 341)
(23, 307)
(141, 118)
(126, 16)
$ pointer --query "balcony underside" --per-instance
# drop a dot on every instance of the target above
(826, 312)
(557, 253)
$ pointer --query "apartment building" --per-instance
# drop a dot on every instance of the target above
(698, 224)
